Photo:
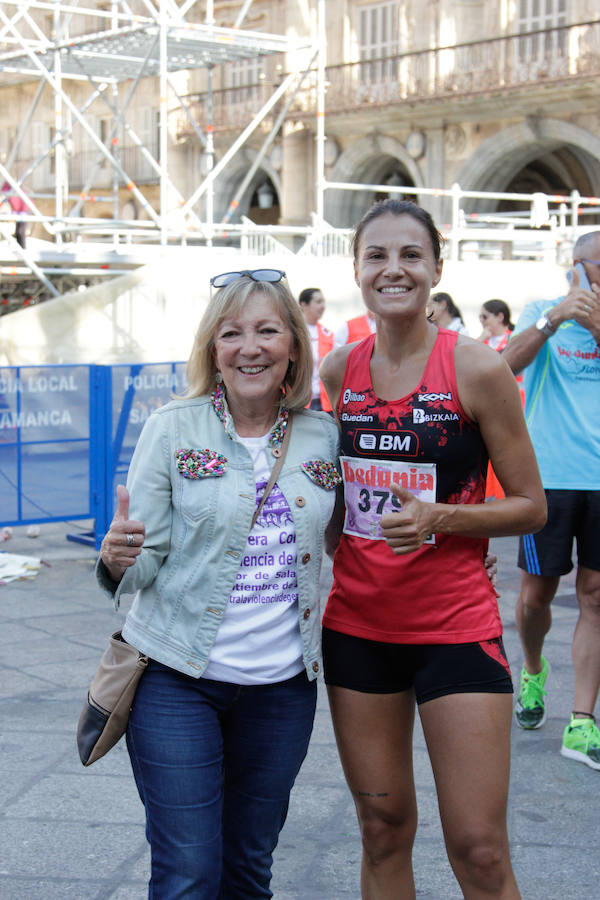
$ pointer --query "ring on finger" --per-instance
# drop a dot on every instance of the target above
(130, 540)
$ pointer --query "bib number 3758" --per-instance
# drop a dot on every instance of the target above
(368, 494)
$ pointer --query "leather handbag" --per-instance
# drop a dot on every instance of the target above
(103, 719)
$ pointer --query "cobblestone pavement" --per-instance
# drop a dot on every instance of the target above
(69, 833)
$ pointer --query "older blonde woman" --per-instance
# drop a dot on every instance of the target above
(227, 607)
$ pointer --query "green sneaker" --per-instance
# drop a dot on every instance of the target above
(581, 741)
(530, 711)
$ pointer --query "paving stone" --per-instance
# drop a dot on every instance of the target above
(68, 833)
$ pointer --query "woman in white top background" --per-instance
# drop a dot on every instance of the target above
(496, 324)
(443, 312)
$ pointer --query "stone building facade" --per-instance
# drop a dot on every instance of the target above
(494, 95)
(507, 105)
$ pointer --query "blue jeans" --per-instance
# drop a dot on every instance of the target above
(214, 765)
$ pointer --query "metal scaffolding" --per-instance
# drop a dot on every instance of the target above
(150, 38)
(88, 53)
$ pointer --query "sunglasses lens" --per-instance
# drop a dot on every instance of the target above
(226, 278)
(272, 275)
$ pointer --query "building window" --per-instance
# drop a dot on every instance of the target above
(105, 132)
(41, 135)
(541, 15)
(243, 78)
(377, 34)
(135, 162)
(150, 129)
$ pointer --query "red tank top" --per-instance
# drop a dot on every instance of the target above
(440, 594)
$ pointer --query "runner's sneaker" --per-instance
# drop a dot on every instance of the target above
(530, 711)
(581, 741)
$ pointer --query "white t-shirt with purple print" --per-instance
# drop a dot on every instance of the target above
(258, 641)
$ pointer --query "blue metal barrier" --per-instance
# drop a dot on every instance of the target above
(67, 434)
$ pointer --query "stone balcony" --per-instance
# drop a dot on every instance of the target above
(511, 63)
(526, 65)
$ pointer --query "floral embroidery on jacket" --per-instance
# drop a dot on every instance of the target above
(323, 473)
(200, 463)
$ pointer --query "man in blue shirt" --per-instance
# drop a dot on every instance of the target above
(556, 345)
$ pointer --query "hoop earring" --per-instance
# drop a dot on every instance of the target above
(219, 377)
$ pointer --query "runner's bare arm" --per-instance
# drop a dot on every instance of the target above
(489, 395)
(333, 531)
(332, 371)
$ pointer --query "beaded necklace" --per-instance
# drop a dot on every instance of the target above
(277, 433)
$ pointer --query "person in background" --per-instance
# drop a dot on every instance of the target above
(497, 329)
(355, 329)
(556, 344)
(412, 620)
(496, 324)
(312, 304)
(227, 592)
(443, 312)
(18, 206)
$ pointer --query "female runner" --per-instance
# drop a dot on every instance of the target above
(412, 617)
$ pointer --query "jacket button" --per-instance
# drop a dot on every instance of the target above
(306, 558)
(276, 452)
(300, 501)
(315, 667)
(306, 613)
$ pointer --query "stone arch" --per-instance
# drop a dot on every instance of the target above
(365, 162)
(233, 174)
(500, 158)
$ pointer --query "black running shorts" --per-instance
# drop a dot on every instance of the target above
(432, 670)
(571, 515)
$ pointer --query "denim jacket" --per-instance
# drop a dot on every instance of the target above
(197, 530)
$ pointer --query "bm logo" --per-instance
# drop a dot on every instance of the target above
(405, 442)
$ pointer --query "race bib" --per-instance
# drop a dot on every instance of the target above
(368, 494)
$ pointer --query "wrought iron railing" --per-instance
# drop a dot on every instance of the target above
(130, 157)
(231, 108)
(509, 62)
(503, 63)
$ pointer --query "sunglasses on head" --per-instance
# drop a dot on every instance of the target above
(270, 275)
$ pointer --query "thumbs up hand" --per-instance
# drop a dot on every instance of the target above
(123, 541)
(122, 512)
(407, 530)
(581, 305)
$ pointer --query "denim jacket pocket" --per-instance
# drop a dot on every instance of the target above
(323, 473)
(200, 463)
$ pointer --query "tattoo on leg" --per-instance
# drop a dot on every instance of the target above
(369, 794)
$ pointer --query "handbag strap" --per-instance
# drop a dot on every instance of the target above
(274, 471)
